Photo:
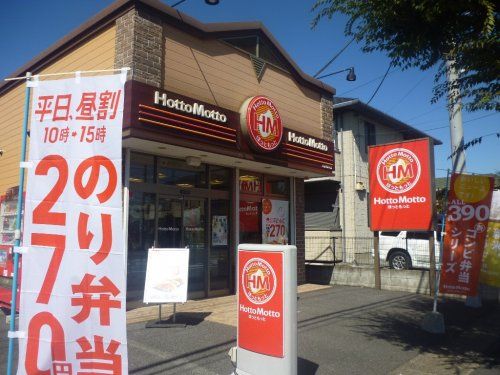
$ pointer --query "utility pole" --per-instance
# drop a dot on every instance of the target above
(455, 115)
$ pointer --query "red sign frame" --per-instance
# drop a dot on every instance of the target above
(402, 190)
(261, 123)
(260, 302)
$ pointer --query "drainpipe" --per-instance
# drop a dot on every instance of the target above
(342, 182)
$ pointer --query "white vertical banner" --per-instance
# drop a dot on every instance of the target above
(73, 289)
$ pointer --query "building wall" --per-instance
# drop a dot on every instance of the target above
(96, 53)
(217, 73)
(353, 151)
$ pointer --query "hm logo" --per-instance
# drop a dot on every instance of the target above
(258, 282)
(266, 124)
(397, 172)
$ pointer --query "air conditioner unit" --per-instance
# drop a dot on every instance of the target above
(360, 186)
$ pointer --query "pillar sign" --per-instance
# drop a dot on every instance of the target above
(267, 310)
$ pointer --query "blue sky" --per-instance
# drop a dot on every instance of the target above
(29, 27)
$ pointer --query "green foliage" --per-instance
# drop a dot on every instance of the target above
(426, 33)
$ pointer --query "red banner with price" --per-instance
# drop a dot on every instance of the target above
(72, 308)
(467, 216)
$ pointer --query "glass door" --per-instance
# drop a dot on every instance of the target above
(218, 261)
(169, 222)
(181, 223)
(194, 224)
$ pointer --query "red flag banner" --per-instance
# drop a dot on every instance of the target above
(467, 216)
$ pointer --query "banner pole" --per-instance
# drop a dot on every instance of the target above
(443, 221)
(17, 241)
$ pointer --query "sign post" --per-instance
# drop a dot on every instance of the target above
(267, 310)
(166, 280)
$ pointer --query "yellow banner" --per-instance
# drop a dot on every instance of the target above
(490, 271)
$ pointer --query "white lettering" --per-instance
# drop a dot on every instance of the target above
(401, 199)
(260, 311)
(309, 142)
(196, 109)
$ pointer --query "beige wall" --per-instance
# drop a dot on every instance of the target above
(97, 53)
(219, 74)
(355, 160)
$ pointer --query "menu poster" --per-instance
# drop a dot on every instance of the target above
(275, 222)
(219, 230)
(166, 276)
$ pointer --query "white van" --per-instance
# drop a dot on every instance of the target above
(405, 250)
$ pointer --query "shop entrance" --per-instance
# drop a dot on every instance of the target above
(182, 223)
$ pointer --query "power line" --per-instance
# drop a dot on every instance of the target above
(409, 92)
(333, 58)
(423, 114)
(380, 84)
(464, 122)
(472, 143)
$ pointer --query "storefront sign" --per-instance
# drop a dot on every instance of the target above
(193, 108)
(260, 302)
(166, 276)
(311, 142)
(72, 308)
(401, 193)
(303, 148)
(467, 216)
(256, 133)
(490, 271)
(275, 222)
(261, 123)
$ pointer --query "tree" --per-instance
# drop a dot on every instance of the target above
(426, 33)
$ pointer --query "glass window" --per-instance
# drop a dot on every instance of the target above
(142, 168)
(389, 234)
(370, 137)
(141, 236)
(250, 222)
(220, 178)
(418, 235)
(218, 263)
(250, 182)
(277, 185)
(178, 173)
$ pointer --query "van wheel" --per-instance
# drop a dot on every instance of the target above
(400, 260)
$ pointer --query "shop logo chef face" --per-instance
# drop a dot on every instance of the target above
(398, 170)
(261, 123)
(258, 281)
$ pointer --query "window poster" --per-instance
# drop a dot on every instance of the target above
(275, 222)
(219, 230)
(249, 216)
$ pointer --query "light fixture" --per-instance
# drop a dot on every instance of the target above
(351, 76)
(208, 2)
(184, 185)
(193, 161)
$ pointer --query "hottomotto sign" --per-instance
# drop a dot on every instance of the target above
(401, 185)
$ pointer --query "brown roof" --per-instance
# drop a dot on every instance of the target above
(172, 16)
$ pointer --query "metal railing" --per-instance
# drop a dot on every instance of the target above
(329, 249)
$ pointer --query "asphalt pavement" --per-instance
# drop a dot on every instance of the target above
(341, 330)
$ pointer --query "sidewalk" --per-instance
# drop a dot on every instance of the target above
(341, 330)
